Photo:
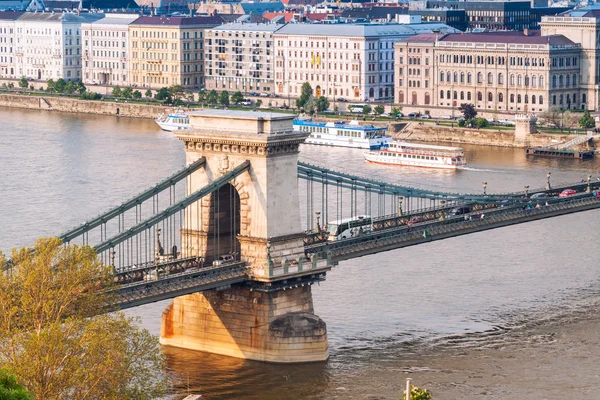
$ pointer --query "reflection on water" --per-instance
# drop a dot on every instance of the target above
(381, 310)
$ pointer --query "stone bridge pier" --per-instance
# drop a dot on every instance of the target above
(255, 219)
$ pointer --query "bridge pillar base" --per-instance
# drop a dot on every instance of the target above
(277, 327)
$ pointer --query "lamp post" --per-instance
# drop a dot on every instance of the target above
(400, 200)
(526, 191)
(484, 188)
(548, 187)
(589, 183)
(318, 215)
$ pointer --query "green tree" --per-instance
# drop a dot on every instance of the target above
(23, 83)
(148, 93)
(127, 92)
(417, 394)
(177, 92)
(305, 94)
(258, 103)
(54, 340)
(136, 94)
(10, 389)
(163, 94)
(322, 104)
(116, 91)
(60, 85)
(237, 97)
(70, 88)
(379, 109)
(81, 87)
(50, 85)
(367, 109)
(224, 98)
(212, 97)
(479, 122)
(468, 110)
(586, 121)
(396, 111)
(201, 97)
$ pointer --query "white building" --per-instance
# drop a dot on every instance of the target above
(106, 50)
(353, 62)
(48, 45)
(8, 67)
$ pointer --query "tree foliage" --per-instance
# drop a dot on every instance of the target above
(136, 94)
(379, 109)
(50, 84)
(305, 94)
(237, 97)
(116, 91)
(54, 341)
(224, 98)
(212, 97)
(127, 93)
(417, 394)
(60, 85)
(163, 94)
(23, 83)
(479, 122)
(367, 109)
(586, 121)
(468, 110)
(148, 93)
(10, 389)
(322, 104)
(258, 103)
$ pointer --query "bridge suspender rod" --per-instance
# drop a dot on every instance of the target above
(191, 199)
(167, 183)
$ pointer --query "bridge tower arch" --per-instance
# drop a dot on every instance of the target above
(257, 219)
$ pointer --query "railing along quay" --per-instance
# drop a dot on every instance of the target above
(454, 226)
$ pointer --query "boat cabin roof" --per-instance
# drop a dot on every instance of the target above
(339, 124)
(424, 146)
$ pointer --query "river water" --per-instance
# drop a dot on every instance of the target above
(383, 311)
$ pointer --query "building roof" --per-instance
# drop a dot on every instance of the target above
(423, 38)
(20, 5)
(10, 15)
(589, 11)
(287, 15)
(110, 4)
(178, 21)
(374, 12)
(261, 7)
(124, 19)
(60, 17)
(508, 38)
(239, 26)
(363, 30)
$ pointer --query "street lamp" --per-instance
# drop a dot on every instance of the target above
(548, 187)
(589, 185)
(318, 215)
(527, 191)
(484, 188)
(400, 200)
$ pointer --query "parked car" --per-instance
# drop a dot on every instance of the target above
(425, 116)
(264, 94)
(399, 115)
(539, 195)
(253, 94)
(460, 210)
(386, 115)
(415, 220)
(567, 193)
(244, 103)
(341, 99)
(328, 112)
(447, 117)
(273, 95)
(413, 115)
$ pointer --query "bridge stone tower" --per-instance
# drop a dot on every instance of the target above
(525, 125)
(256, 219)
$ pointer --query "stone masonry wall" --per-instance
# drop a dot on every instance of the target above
(275, 327)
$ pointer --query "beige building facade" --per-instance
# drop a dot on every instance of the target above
(240, 57)
(505, 72)
(168, 51)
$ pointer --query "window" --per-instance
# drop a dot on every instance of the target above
(500, 79)
(479, 77)
(512, 98)
(441, 94)
(512, 80)
(541, 100)
(490, 96)
(500, 97)
(479, 96)
(469, 77)
(533, 99)
(490, 79)
(518, 98)
(462, 95)
(469, 96)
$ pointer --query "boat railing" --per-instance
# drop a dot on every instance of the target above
(430, 153)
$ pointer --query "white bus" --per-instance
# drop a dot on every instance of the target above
(356, 108)
(349, 227)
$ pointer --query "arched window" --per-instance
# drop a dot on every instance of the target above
(479, 96)
(414, 97)
(469, 77)
(455, 95)
(418, 83)
(541, 81)
(479, 77)
(401, 97)
(560, 80)
(541, 99)
(490, 96)
(533, 99)
(519, 80)
(462, 95)
(500, 79)
(560, 99)
(427, 98)
(512, 79)
(568, 81)
(526, 80)
(371, 92)
(462, 77)
(500, 98)
(512, 98)
(441, 94)
(455, 77)
(574, 98)
(553, 81)
(380, 93)
(441, 76)
(583, 98)
(518, 98)
(448, 76)
(526, 99)
(534, 81)
(469, 96)
(490, 79)
(574, 80)
(554, 100)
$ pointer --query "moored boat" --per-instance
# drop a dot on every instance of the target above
(419, 155)
(176, 121)
(343, 134)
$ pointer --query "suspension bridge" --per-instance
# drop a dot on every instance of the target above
(229, 239)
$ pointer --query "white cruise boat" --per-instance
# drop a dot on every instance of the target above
(419, 155)
(344, 135)
(177, 121)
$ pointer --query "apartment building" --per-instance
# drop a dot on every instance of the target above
(168, 51)
(240, 57)
(49, 46)
(106, 50)
(8, 66)
(503, 71)
(353, 62)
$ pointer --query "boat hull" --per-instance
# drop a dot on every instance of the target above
(169, 127)
(378, 159)
(373, 144)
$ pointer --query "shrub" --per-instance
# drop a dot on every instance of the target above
(462, 123)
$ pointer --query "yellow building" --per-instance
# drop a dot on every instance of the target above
(166, 51)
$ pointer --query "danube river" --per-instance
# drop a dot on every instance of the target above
(504, 313)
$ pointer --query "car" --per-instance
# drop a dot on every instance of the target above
(460, 210)
(273, 95)
(425, 116)
(244, 103)
(385, 115)
(399, 115)
(413, 115)
(328, 112)
(224, 259)
(253, 94)
(264, 94)
(567, 193)
(447, 117)
(540, 195)
(415, 220)
(341, 99)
